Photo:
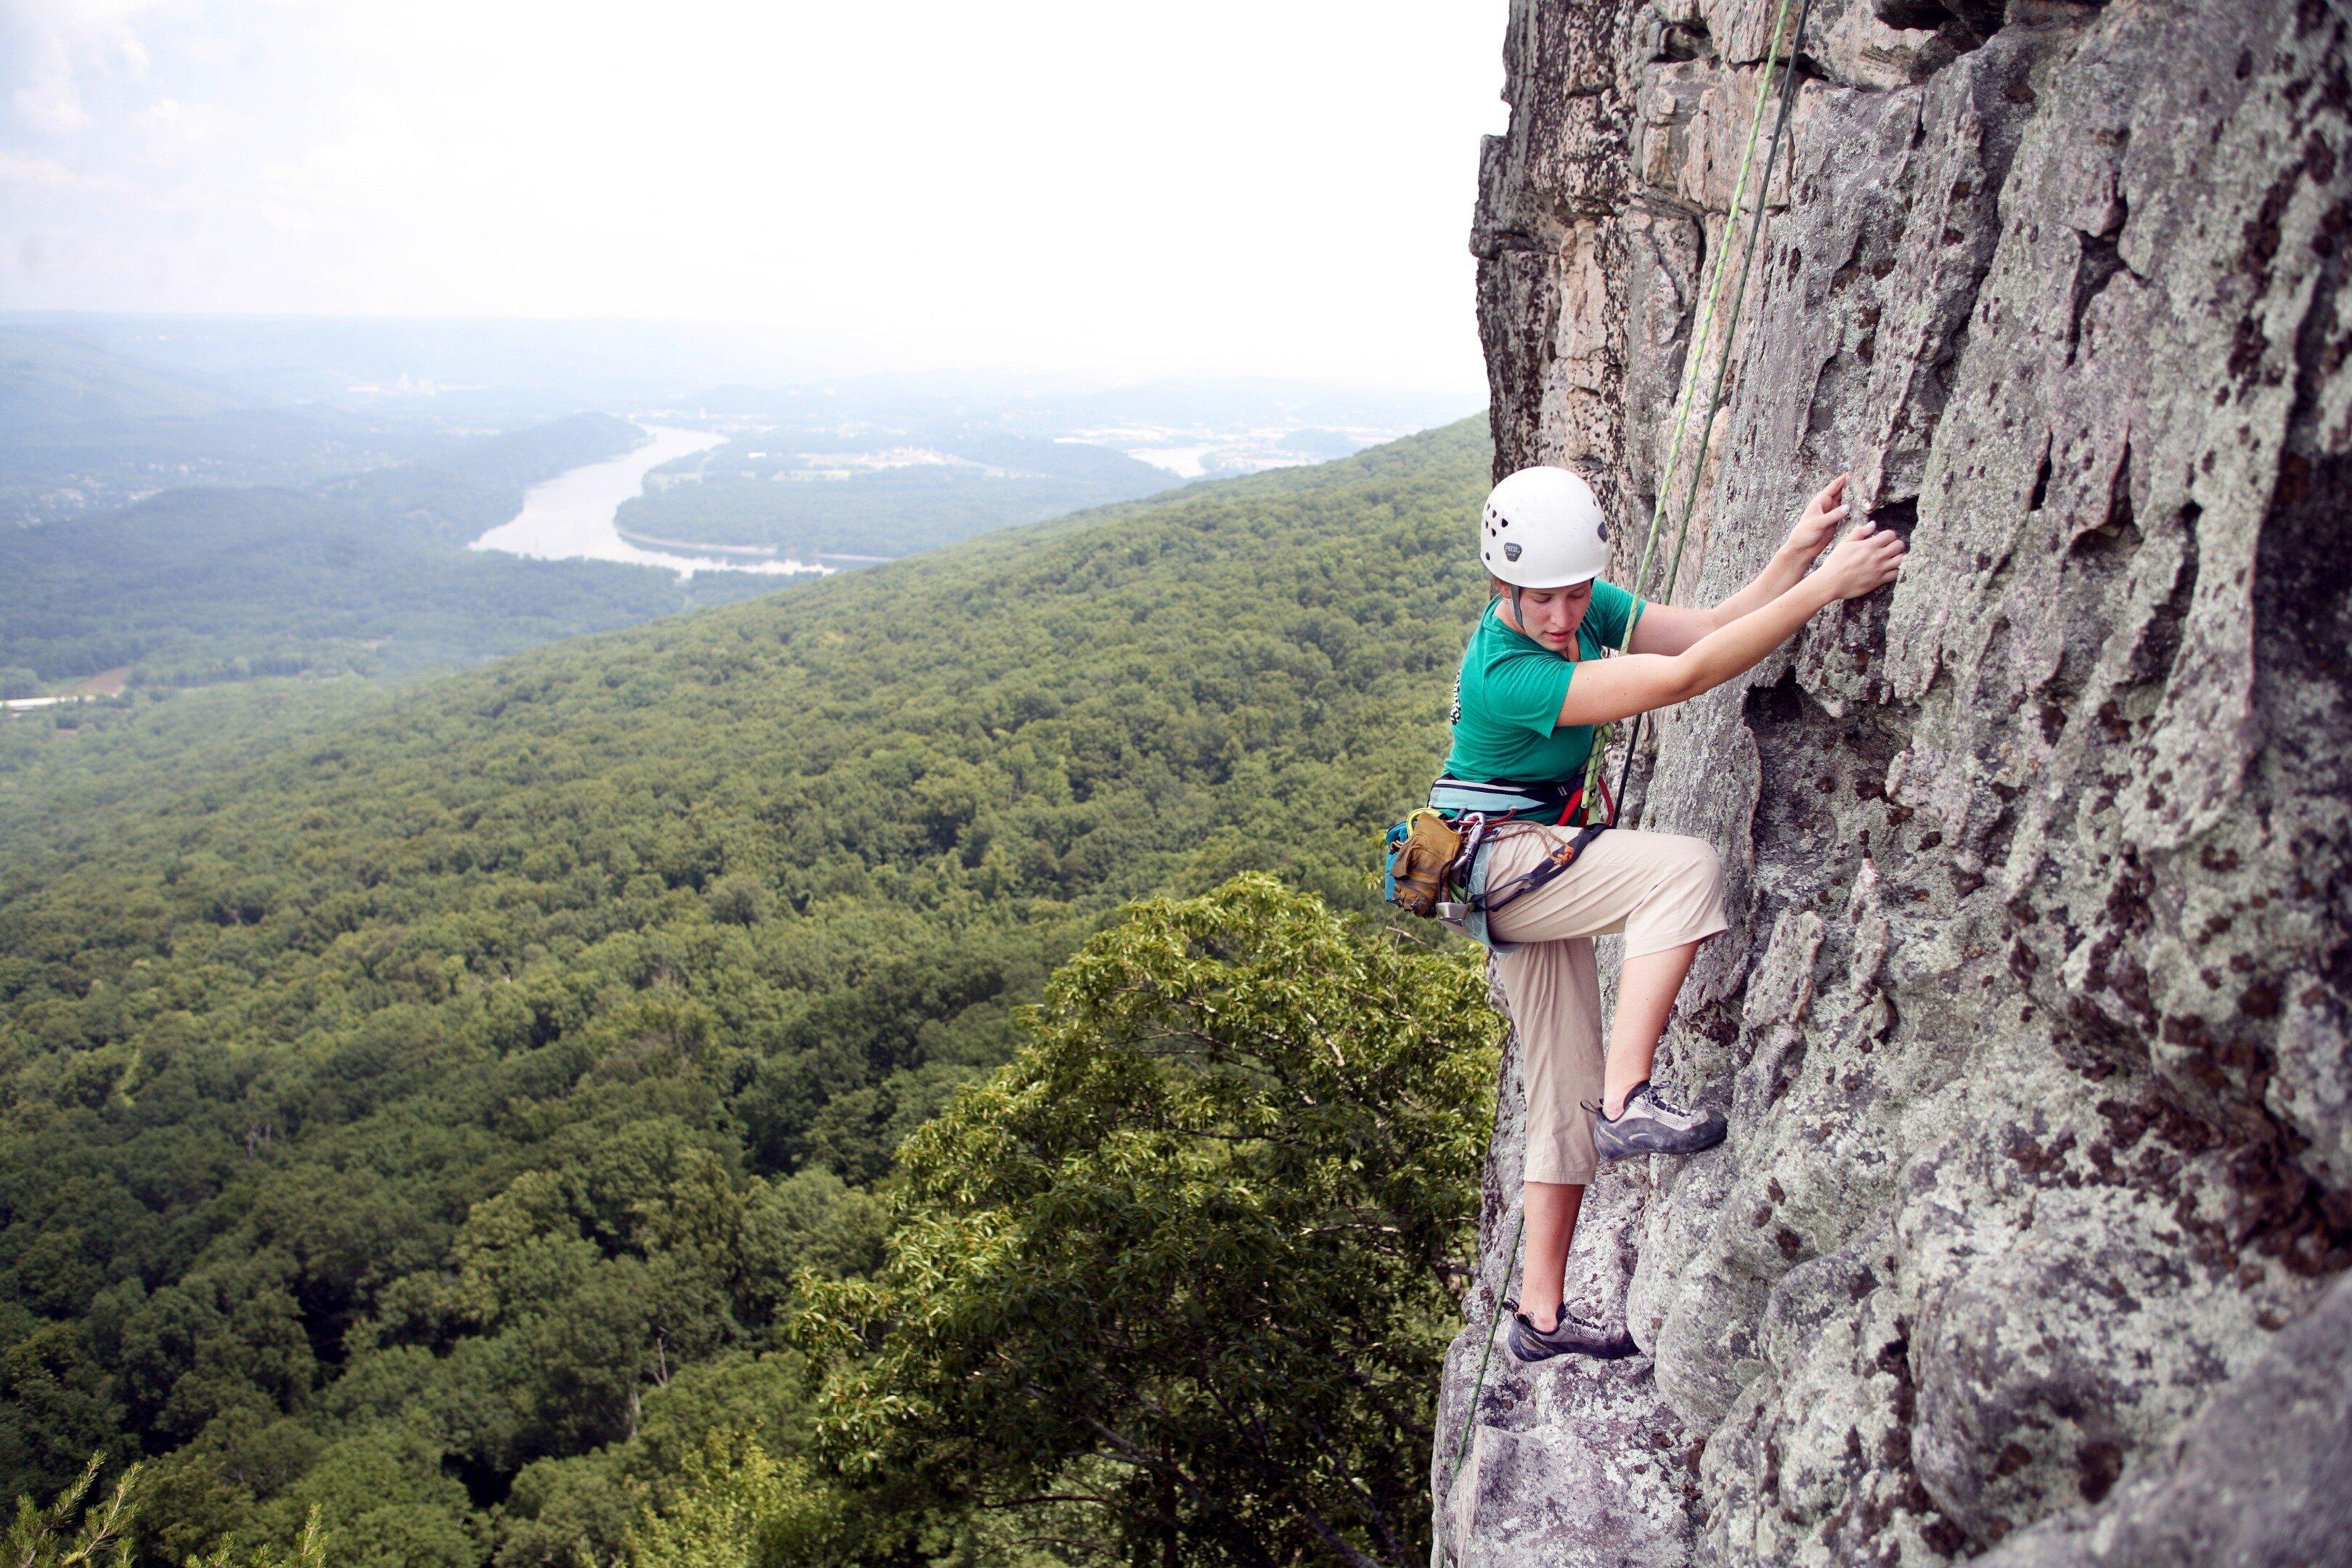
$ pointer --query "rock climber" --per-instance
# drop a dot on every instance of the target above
(1532, 687)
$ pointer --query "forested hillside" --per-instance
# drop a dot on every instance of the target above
(56, 784)
(426, 1123)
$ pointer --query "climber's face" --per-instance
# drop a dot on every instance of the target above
(1548, 615)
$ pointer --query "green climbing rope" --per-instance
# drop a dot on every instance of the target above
(1494, 1321)
(1702, 329)
(1701, 340)
(1738, 294)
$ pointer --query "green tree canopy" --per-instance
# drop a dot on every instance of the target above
(1197, 1238)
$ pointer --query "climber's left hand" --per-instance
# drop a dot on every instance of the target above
(1819, 525)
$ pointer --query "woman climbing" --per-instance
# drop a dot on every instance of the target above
(1532, 687)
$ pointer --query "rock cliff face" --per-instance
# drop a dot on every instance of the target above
(2032, 1026)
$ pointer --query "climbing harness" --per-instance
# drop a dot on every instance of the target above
(1474, 911)
(1442, 849)
(1434, 852)
(1701, 334)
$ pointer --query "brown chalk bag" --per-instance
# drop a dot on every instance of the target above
(1418, 857)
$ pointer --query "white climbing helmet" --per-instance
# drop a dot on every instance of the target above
(1543, 529)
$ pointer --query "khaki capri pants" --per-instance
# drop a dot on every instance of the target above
(1662, 889)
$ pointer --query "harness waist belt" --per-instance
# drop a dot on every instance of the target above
(1501, 797)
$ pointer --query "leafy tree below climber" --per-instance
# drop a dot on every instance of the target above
(1532, 687)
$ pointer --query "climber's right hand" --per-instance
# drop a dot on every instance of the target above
(1606, 690)
(1865, 560)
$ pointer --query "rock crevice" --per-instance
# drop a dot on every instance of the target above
(2031, 1026)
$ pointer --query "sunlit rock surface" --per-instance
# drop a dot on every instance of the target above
(2031, 1025)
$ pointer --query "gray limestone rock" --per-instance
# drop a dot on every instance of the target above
(2031, 1026)
(2255, 1479)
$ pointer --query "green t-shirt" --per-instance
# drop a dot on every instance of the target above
(1506, 699)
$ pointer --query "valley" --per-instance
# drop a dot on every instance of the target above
(366, 574)
(178, 518)
(439, 1112)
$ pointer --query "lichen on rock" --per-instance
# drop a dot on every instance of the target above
(2031, 1026)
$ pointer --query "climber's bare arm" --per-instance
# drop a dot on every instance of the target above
(1606, 689)
(1676, 628)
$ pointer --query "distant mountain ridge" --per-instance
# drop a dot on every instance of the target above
(86, 428)
(58, 376)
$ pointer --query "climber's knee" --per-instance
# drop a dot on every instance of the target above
(1705, 865)
(1685, 903)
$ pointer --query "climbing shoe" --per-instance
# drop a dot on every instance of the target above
(1571, 1335)
(1652, 1126)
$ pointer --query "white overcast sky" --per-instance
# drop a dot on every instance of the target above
(1279, 187)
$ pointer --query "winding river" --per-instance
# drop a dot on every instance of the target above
(570, 516)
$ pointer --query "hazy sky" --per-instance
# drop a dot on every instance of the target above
(1256, 186)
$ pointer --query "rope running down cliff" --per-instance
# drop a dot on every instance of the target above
(1700, 335)
(1658, 516)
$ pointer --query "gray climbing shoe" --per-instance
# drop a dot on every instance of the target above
(1571, 1335)
(1652, 1126)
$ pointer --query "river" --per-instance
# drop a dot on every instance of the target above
(570, 516)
